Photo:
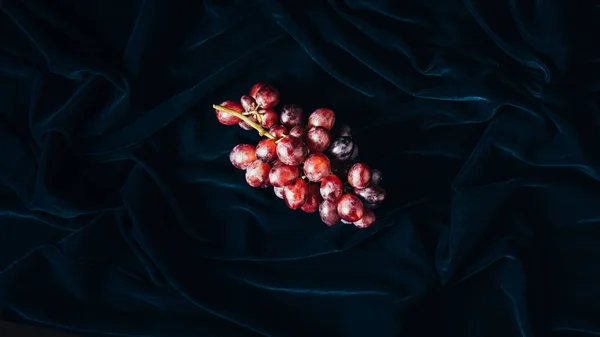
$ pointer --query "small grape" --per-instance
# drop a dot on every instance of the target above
(291, 115)
(257, 174)
(345, 131)
(367, 219)
(242, 155)
(372, 194)
(278, 191)
(350, 208)
(318, 139)
(328, 213)
(341, 148)
(279, 131)
(269, 117)
(376, 176)
(292, 150)
(267, 97)
(322, 117)
(331, 188)
(313, 200)
(266, 150)
(247, 126)
(297, 131)
(295, 194)
(256, 88)
(359, 175)
(282, 175)
(227, 118)
(248, 102)
(317, 167)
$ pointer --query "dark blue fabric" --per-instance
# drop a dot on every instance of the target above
(121, 214)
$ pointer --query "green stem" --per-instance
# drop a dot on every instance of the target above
(256, 126)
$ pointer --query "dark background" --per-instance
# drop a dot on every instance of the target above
(16, 330)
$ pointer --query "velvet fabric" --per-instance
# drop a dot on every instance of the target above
(121, 214)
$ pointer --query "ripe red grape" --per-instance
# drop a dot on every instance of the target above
(269, 117)
(376, 176)
(282, 174)
(242, 155)
(359, 175)
(328, 213)
(266, 150)
(292, 150)
(267, 97)
(317, 167)
(257, 174)
(318, 139)
(278, 191)
(279, 131)
(227, 118)
(256, 88)
(367, 219)
(341, 148)
(331, 188)
(248, 103)
(372, 194)
(291, 115)
(295, 194)
(297, 131)
(350, 208)
(313, 199)
(322, 117)
(247, 126)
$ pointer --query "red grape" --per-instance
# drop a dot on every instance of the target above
(295, 194)
(318, 139)
(328, 213)
(367, 219)
(257, 174)
(341, 148)
(267, 97)
(242, 155)
(247, 126)
(350, 208)
(297, 131)
(279, 131)
(278, 191)
(372, 194)
(266, 150)
(313, 200)
(291, 115)
(248, 103)
(317, 167)
(331, 188)
(282, 174)
(269, 117)
(227, 118)
(359, 175)
(322, 117)
(291, 150)
(256, 88)
(376, 176)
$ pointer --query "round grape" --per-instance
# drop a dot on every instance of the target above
(282, 175)
(257, 174)
(291, 115)
(367, 219)
(267, 97)
(242, 155)
(295, 194)
(256, 88)
(269, 117)
(227, 118)
(328, 213)
(350, 208)
(322, 117)
(376, 176)
(313, 199)
(341, 148)
(297, 131)
(318, 139)
(278, 191)
(292, 150)
(359, 175)
(372, 194)
(266, 150)
(331, 188)
(317, 167)
(279, 131)
(248, 103)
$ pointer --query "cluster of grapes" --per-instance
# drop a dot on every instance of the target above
(303, 163)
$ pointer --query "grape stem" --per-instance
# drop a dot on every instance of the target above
(256, 126)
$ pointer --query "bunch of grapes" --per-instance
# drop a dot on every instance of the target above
(308, 167)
